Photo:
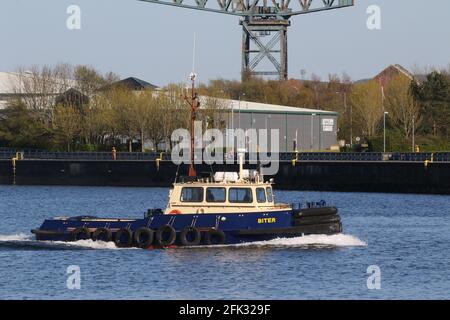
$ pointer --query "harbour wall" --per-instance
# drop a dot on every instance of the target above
(359, 176)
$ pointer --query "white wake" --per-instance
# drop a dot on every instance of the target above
(335, 240)
(309, 241)
(22, 240)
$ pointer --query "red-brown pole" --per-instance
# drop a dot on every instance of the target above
(194, 106)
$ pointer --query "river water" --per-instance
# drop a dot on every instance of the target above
(404, 237)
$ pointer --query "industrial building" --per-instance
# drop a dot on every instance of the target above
(8, 81)
(299, 128)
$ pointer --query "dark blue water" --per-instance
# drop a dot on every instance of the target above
(406, 236)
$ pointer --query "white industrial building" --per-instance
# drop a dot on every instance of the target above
(299, 128)
(8, 84)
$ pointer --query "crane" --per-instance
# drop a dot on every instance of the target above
(264, 27)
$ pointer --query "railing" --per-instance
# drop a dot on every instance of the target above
(9, 153)
(54, 155)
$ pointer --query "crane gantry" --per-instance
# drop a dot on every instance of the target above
(261, 19)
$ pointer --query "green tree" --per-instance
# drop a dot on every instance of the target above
(434, 97)
(123, 103)
(366, 102)
(403, 109)
(20, 128)
(66, 122)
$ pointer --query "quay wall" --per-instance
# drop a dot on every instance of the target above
(357, 176)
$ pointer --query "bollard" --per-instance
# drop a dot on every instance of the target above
(158, 160)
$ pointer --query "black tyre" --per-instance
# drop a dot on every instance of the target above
(215, 237)
(166, 235)
(315, 212)
(80, 234)
(190, 236)
(102, 234)
(316, 220)
(123, 238)
(143, 237)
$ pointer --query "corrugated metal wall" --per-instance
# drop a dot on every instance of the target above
(291, 126)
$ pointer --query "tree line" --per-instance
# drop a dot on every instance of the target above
(417, 109)
(77, 108)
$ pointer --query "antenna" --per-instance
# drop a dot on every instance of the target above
(193, 55)
(193, 75)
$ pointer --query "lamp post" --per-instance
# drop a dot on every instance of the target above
(351, 118)
(384, 130)
(413, 134)
(344, 93)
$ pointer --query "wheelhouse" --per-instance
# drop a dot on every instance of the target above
(213, 197)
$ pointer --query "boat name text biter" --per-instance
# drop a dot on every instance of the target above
(267, 220)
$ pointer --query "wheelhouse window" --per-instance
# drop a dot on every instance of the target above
(260, 195)
(240, 195)
(269, 194)
(215, 194)
(192, 194)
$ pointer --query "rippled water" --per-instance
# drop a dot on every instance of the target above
(407, 236)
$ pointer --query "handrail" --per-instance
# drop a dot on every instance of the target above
(33, 154)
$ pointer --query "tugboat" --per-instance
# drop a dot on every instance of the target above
(224, 208)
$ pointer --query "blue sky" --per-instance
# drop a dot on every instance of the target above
(154, 42)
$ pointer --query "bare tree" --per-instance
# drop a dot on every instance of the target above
(402, 107)
(38, 87)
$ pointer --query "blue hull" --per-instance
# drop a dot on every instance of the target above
(235, 227)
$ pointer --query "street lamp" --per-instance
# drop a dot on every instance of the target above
(413, 134)
(344, 93)
(384, 130)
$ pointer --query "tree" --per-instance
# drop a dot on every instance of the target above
(38, 87)
(434, 97)
(403, 109)
(176, 111)
(157, 114)
(19, 128)
(366, 101)
(143, 113)
(123, 102)
(66, 122)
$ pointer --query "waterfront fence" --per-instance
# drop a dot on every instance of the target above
(9, 153)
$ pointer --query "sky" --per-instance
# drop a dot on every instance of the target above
(155, 42)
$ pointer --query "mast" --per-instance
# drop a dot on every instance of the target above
(195, 104)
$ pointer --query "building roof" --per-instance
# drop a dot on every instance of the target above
(391, 72)
(72, 97)
(8, 82)
(13, 83)
(257, 107)
(135, 84)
